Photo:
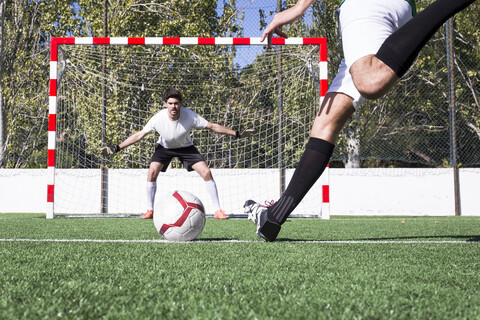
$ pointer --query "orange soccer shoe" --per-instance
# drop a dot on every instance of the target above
(220, 214)
(147, 215)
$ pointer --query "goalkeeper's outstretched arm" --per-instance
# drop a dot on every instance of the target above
(218, 128)
(134, 138)
(110, 150)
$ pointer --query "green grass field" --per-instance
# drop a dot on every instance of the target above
(343, 268)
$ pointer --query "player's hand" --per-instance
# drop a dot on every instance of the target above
(110, 150)
(285, 17)
(272, 28)
(247, 133)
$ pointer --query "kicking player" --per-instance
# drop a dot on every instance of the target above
(381, 39)
(174, 124)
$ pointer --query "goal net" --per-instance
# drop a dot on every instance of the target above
(102, 90)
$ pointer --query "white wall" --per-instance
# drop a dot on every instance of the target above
(352, 191)
(78, 191)
(403, 192)
(23, 190)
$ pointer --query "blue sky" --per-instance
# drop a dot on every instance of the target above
(251, 8)
(251, 25)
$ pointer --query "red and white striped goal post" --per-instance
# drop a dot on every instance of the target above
(226, 41)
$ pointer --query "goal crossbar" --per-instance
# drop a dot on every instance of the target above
(56, 42)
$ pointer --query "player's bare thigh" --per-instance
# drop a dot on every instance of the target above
(335, 110)
(203, 170)
(372, 77)
(364, 26)
(154, 170)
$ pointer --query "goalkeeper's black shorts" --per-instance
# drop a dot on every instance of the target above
(188, 156)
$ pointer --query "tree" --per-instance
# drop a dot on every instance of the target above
(27, 27)
(410, 124)
(3, 131)
(140, 75)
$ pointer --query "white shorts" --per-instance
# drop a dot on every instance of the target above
(364, 25)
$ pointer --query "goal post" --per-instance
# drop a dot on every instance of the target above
(216, 84)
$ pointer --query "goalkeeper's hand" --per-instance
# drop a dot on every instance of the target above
(246, 133)
(110, 150)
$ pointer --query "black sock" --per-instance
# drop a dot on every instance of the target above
(401, 48)
(311, 166)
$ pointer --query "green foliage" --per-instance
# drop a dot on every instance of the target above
(27, 28)
(30, 24)
(174, 18)
(412, 122)
(410, 125)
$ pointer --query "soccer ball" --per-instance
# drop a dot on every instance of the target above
(179, 216)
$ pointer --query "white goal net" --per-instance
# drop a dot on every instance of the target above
(103, 90)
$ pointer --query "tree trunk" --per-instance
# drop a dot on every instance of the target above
(3, 120)
(353, 148)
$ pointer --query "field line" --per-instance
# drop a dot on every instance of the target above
(248, 241)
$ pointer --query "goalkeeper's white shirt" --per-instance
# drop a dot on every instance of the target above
(175, 134)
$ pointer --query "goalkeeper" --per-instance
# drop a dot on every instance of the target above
(174, 124)
(381, 39)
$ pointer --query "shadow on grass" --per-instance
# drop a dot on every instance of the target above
(466, 238)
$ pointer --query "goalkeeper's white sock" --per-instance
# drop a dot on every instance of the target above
(212, 191)
(151, 190)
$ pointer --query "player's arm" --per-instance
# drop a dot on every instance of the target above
(218, 128)
(285, 17)
(134, 138)
(109, 150)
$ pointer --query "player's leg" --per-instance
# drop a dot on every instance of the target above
(159, 163)
(372, 77)
(364, 26)
(334, 112)
(331, 118)
(204, 171)
(375, 74)
(193, 160)
(153, 171)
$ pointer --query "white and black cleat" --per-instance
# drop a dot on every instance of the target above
(266, 229)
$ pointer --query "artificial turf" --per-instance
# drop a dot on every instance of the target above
(343, 268)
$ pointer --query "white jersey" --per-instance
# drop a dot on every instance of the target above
(175, 134)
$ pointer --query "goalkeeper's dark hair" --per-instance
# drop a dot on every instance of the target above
(172, 93)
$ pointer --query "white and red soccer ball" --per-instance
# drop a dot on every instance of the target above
(179, 216)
